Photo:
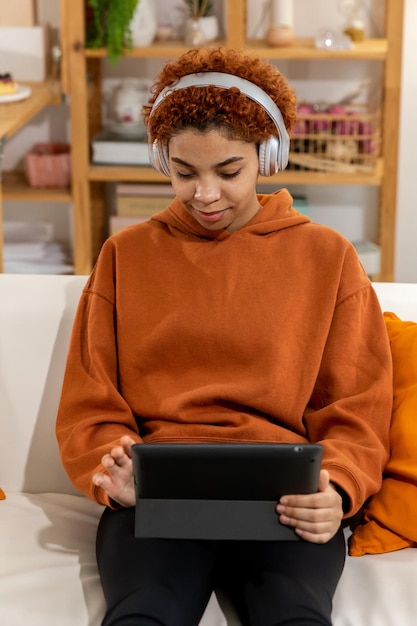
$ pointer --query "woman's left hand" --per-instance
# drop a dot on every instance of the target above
(315, 517)
(118, 479)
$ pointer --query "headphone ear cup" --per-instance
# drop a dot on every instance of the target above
(262, 159)
(158, 157)
(271, 157)
(268, 156)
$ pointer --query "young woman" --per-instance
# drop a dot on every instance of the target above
(227, 317)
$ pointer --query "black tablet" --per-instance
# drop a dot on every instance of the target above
(219, 490)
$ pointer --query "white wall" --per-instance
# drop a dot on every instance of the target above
(406, 233)
(352, 210)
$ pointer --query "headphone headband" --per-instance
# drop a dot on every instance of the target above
(222, 79)
(273, 152)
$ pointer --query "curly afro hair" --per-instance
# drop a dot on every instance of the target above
(212, 107)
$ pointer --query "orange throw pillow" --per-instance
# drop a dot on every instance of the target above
(389, 520)
(2, 495)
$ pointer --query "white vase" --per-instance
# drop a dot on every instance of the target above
(194, 36)
(282, 13)
(144, 24)
(200, 30)
(209, 24)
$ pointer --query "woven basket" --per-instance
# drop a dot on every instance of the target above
(48, 165)
(346, 142)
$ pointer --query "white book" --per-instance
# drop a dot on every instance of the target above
(16, 232)
(107, 147)
(36, 267)
(23, 250)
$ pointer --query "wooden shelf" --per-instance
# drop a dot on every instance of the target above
(370, 49)
(16, 187)
(101, 173)
(113, 173)
(14, 115)
(162, 49)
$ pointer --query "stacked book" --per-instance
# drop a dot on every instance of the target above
(111, 148)
(30, 248)
(133, 203)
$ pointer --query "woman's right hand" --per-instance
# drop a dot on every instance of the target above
(118, 480)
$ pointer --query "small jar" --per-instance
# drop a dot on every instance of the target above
(279, 36)
(355, 30)
(281, 31)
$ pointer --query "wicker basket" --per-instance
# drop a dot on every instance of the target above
(340, 139)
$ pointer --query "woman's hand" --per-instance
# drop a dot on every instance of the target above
(315, 517)
(118, 480)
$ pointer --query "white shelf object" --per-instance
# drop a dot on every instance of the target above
(370, 256)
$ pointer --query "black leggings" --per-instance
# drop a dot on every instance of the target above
(157, 582)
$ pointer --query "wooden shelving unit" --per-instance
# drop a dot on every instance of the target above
(13, 117)
(86, 120)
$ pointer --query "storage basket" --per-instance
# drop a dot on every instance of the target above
(48, 165)
(339, 139)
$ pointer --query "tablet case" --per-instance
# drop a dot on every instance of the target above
(219, 491)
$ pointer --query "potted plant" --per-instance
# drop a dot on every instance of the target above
(198, 8)
(109, 25)
(201, 25)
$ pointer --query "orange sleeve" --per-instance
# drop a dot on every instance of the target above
(92, 414)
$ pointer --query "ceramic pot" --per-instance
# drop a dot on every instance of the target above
(209, 24)
(126, 101)
(282, 13)
(279, 36)
(144, 24)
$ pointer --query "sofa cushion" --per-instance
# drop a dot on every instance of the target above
(377, 590)
(48, 571)
(36, 317)
(389, 519)
(47, 567)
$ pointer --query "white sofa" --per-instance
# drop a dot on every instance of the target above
(48, 575)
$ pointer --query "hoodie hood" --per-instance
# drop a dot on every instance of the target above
(277, 213)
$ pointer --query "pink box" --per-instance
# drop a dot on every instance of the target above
(48, 165)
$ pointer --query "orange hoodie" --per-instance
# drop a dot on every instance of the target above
(270, 333)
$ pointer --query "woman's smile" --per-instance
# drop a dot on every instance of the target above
(210, 216)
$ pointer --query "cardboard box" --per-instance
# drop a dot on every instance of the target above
(23, 52)
(17, 13)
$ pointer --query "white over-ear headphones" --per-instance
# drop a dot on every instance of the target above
(273, 153)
